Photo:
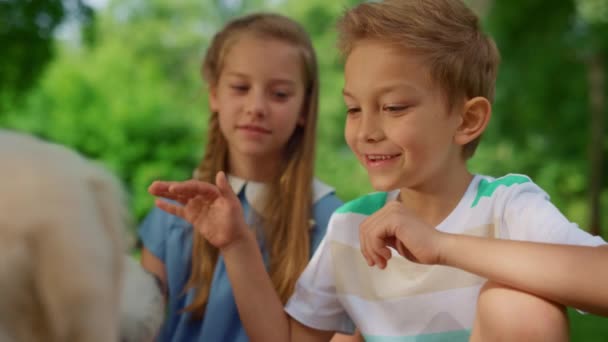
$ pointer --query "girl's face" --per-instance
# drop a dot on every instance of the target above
(259, 97)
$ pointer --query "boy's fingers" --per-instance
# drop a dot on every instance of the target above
(363, 243)
(380, 251)
(400, 247)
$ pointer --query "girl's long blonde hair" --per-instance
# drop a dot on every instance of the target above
(286, 217)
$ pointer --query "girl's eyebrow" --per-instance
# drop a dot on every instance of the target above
(281, 80)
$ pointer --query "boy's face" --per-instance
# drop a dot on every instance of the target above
(398, 123)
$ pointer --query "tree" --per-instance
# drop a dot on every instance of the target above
(26, 37)
(549, 76)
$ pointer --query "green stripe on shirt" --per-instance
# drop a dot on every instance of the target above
(365, 205)
(486, 189)
(450, 336)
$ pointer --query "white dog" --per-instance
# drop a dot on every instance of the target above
(62, 227)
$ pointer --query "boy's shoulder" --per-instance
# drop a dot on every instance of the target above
(364, 205)
(490, 186)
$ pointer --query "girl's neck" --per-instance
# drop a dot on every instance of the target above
(433, 202)
(258, 169)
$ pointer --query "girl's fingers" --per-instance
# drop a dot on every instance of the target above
(159, 187)
(224, 187)
(193, 188)
(169, 208)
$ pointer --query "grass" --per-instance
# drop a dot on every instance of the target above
(587, 328)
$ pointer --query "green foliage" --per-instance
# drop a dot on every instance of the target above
(124, 107)
(26, 37)
(541, 119)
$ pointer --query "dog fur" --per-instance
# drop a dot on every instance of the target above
(62, 227)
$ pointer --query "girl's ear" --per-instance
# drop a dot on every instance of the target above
(474, 120)
(302, 120)
(213, 102)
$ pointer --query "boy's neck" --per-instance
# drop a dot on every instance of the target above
(258, 169)
(436, 199)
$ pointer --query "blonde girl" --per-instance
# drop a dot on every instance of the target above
(261, 72)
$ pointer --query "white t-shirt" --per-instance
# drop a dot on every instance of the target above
(412, 302)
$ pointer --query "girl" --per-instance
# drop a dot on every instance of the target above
(261, 71)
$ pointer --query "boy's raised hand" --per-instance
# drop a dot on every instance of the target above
(213, 210)
(396, 226)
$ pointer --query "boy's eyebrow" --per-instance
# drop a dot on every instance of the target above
(394, 86)
(387, 88)
(346, 93)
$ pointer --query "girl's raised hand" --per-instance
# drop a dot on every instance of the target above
(398, 227)
(213, 210)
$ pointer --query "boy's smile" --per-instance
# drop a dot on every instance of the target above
(379, 161)
(398, 123)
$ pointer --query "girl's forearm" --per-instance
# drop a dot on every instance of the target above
(571, 275)
(259, 306)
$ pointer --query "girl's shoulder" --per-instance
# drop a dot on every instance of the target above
(321, 190)
(324, 196)
(164, 221)
(325, 202)
(160, 229)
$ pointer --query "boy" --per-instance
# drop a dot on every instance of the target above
(419, 79)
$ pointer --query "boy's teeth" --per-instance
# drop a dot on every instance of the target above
(380, 157)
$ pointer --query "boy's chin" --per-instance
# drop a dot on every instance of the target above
(383, 184)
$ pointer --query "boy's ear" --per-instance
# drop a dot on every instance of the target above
(474, 120)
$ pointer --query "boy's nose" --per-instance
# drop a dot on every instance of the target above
(369, 129)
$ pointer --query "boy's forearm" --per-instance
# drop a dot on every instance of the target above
(259, 306)
(571, 275)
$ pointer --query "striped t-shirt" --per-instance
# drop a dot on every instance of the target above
(412, 302)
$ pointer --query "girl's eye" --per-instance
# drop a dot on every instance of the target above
(281, 95)
(239, 87)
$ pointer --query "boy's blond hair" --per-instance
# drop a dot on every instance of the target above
(445, 33)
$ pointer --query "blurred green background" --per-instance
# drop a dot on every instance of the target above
(119, 81)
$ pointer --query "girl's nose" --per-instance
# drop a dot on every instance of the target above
(256, 104)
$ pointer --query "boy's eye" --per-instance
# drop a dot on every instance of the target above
(394, 108)
(352, 110)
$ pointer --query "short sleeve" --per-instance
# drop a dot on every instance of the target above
(154, 232)
(529, 215)
(315, 302)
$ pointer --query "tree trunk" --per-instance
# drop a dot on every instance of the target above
(595, 75)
